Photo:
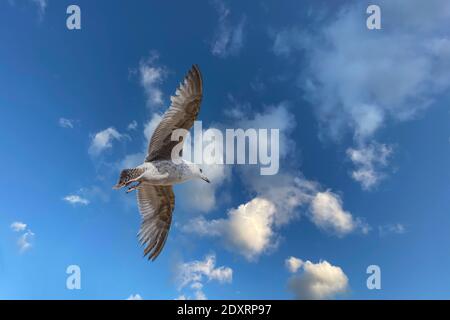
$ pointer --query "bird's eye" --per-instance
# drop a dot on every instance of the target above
(201, 171)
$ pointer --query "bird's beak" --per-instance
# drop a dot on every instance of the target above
(206, 179)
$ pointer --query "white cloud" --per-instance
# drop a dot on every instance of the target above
(361, 80)
(293, 264)
(102, 140)
(76, 199)
(194, 273)
(318, 281)
(132, 125)
(229, 36)
(327, 214)
(247, 230)
(369, 161)
(24, 241)
(151, 76)
(66, 123)
(387, 229)
(18, 226)
(136, 296)
(357, 94)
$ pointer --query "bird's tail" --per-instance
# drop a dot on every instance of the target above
(126, 175)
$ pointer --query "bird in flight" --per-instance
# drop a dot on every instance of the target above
(154, 178)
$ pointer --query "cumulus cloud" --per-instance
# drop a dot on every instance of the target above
(66, 123)
(229, 36)
(327, 214)
(293, 264)
(369, 161)
(18, 226)
(136, 296)
(195, 273)
(252, 228)
(24, 241)
(318, 281)
(103, 140)
(247, 230)
(151, 76)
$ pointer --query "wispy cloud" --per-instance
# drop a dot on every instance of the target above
(103, 140)
(151, 75)
(18, 226)
(387, 229)
(24, 241)
(229, 36)
(369, 161)
(194, 273)
(136, 296)
(344, 67)
(66, 123)
(75, 199)
(132, 125)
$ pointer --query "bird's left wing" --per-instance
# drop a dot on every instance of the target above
(181, 115)
(156, 204)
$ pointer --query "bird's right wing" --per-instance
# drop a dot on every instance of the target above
(181, 114)
(156, 204)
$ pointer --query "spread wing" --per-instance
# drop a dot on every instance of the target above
(181, 115)
(156, 204)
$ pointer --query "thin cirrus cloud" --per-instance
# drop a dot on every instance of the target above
(66, 123)
(346, 64)
(193, 274)
(229, 36)
(136, 296)
(316, 281)
(132, 125)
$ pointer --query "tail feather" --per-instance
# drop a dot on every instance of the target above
(126, 175)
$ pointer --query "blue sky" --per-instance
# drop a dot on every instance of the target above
(364, 127)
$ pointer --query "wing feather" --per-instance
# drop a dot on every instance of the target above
(156, 204)
(182, 113)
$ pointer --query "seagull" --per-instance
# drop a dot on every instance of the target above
(154, 178)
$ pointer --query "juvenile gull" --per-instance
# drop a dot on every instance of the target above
(154, 178)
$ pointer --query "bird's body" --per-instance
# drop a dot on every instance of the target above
(164, 172)
(154, 178)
